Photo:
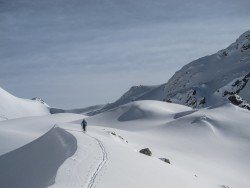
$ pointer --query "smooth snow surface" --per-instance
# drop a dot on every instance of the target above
(14, 107)
(212, 145)
(206, 148)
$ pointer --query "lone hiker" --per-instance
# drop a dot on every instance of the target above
(84, 125)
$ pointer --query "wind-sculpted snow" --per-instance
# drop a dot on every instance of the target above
(211, 143)
(13, 107)
(133, 114)
(35, 164)
(208, 148)
(149, 110)
(146, 111)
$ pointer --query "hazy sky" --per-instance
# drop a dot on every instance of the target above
(76, 53)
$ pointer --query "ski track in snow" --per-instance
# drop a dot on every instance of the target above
(101, 164)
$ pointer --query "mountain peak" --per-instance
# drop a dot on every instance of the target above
(241, 45)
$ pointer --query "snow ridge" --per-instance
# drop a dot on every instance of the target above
(30, 166)
(12, 107)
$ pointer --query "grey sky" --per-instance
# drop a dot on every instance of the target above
(75, 53)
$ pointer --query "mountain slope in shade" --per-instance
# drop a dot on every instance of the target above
(13, 107)
(85, 110)
(223, 76)
(135, 93)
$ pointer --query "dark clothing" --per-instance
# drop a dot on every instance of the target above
(84, 124)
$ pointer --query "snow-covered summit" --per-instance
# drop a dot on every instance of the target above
(13, 107)
(240, 45)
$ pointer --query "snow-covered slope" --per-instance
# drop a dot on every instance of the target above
(135, 93)
(33, 148)
(202, 82)
(76, 110)
(197, 83)
(206, 148)
(145, 111)
(212, 144)
(14, 107)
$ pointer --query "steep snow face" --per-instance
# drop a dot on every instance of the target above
(206, 75)
(26, 165)
(14, 107)
(33, 148)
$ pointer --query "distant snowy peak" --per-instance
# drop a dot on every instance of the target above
(13, 107)
(40, 100)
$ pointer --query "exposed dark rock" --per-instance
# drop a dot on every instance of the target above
(246, 47)
(121, 137)
(235, 100)
(237, 83)
(248, 75)
(113, 133)
(193, 102)
(203, 101)
(224, 53)
(246, 106)
(165, 160)
(228, 93)
(168, 100)
(39, 100)
(146, 151)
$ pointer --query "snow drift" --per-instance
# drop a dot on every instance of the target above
(212, 143)
(35, 165)
(207, 148)
(14, 107)
(146, 111)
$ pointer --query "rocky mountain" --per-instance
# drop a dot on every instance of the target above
(212, 79)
